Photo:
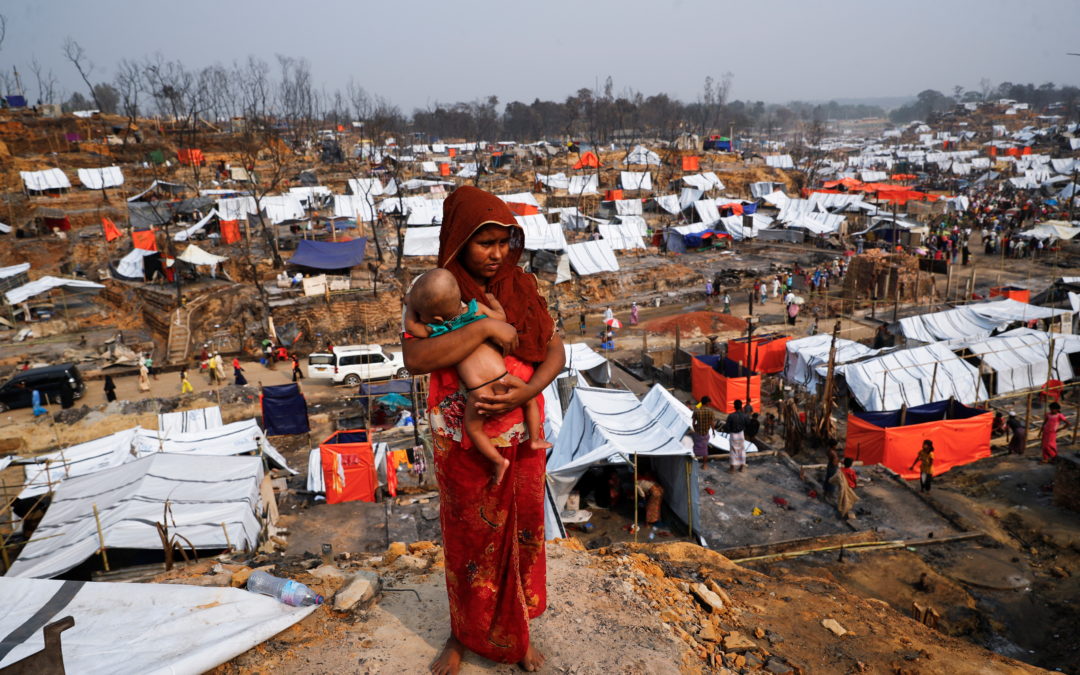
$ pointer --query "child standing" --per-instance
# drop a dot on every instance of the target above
(925, 460)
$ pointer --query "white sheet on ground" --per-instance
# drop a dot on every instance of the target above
(203, 492)
(143, 628)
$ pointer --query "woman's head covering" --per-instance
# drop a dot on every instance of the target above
(466, 211)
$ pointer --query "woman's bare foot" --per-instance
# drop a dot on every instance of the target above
(533, 660)
(449, 661)
(500, 470)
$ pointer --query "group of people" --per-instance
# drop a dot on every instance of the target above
(741, 426)
(1014, 430)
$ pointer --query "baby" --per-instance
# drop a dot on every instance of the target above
(435, 307)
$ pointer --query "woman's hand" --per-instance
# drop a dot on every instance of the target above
(518, 394)
(502, 334)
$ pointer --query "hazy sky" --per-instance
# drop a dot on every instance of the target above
(416, 52)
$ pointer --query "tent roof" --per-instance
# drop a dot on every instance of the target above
(105, 177)
(197, 256)
(907, 376)
(329, 255)
(43, 285)
(203, 491)
(592, 257)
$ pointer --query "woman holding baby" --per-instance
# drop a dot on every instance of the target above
(493, 533)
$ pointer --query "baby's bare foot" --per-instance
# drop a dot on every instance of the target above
(500, 470)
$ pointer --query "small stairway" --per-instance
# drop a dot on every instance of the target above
(179, 336)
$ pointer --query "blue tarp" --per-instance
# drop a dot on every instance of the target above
(329, 255)
(16, 101)
(284, 410)
(920, 414)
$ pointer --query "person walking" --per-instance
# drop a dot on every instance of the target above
(1017, 434)
(702, 422)
(150, 366)
(708, 292)
(727, 302)
(238, 374)
(297, 375)
(925, 460)
(735, 427)
(110, 389)
(1051, 424)
(633, 313)
(144, 376)
(185, 384)
(581, 323)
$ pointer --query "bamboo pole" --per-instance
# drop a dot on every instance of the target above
(1027, 415)
(636, 528)
(101, 538)
(228, 541)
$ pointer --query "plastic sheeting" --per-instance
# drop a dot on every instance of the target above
(49, 179)
(365, 186)
(284, 410)
(808, 358)
(1020, 359)
(422, 241)
(621, 236)
(193, 255)
(905, 377)
(704, 181)
(635, 180)
(141, 628)
(235, 438)
(106, 177)
(131, 265)
(879, 438)
(978, 320)
(44, 285)
(189, 421)
(557, 181)
(185, 234)
(357, 206)
(203, 493)
(724, 382)
(541, 235)
(592, 257)
(584, 185)
(329, 255)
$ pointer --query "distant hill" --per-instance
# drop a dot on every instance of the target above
(886, 102)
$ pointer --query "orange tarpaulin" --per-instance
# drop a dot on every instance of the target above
(145, 240)
(613, 195)
(736, 208)
(691, 163)
(452, 152)
(1011, 292)
(444, 169)
(230, 231)
(846, 182)
(589, 159)
(956, 441)
(766, 354)
(110, 229)
(348, 464)
(903, 176)
(190, 156)
(522, 209)
(722, 391)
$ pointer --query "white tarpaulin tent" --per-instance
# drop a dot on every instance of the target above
(609, 427)
(628, 207)
(193, 255)
(245, 436)
(158, 629)
(669, 203)
(422, 240)
(235, 208)
(185, 234)
(704, 181)
(735, 225)
(635, 180)
(357, 206)
(642, 155)
(521, 198)
(203, 493)
(540, 235)
(189, 421)
(806, 355)
(622, 236)
(973, 321)
(888, 381)
(279, 208)
(583, 185)
(106, 177)
(557, 181)
(44, 285)
(1020, 358)
(131, 265)
(592, 257)
(365, 186)
(12, 270)
(580, 358)
(49, 179)
(779, 161)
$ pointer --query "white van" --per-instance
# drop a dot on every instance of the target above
(353, 364)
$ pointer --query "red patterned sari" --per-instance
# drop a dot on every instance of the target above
(493, 537)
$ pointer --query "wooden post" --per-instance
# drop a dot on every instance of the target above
(1027, 415)
(933, 382)
(903, 414)
(635, 500)
(896, 294)
(101, 538)
(228, 541)
(971, 285)
(1076, 423)
(884, 383)
(690, 501)
(948, 282)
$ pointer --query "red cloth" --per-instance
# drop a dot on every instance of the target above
(145, 240)
(850, 476)
(522, 209)
(691, 163)
(190, 156)
(230, 231)
(110, 229)
(466, 211)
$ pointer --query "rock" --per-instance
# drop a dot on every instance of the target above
(328, 573)
(684, 587)
(737, 642)
(708, 633)
(752, 661)
(835, 627)
(359, 590)
(220, 580)
(410, 563)
(739, 660)
(421, 546)
(778, 667)
(715, 588)
(396, 549)
(240, 577)
(759, 632)
(710, 599)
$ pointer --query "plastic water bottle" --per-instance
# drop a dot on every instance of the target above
(288, 591)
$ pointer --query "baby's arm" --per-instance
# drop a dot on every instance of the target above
(413, 325)
(492, 309)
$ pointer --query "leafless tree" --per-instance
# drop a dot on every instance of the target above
(46, 82)
(3, 29)
(74, 53)
(129, 84)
